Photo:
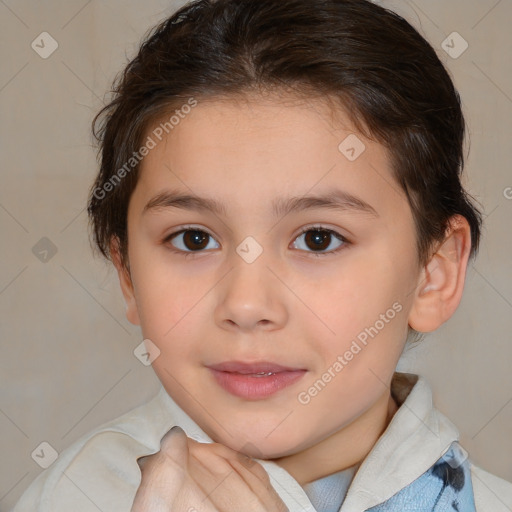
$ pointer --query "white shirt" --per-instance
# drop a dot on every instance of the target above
(100, 472)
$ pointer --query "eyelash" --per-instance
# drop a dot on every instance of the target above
(320, 228)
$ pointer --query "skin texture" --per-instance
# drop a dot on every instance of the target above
(186, 476)
(290, 306)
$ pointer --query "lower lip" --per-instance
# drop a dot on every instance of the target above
(256, 388)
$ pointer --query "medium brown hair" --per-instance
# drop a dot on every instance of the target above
(385, 75)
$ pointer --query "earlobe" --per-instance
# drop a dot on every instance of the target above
(125, 282)
(441, 281)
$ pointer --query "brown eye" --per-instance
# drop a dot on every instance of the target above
(193, 240)
(318, 240)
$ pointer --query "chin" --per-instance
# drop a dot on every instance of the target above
(262, 446)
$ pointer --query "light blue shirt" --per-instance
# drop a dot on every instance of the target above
(327, 493)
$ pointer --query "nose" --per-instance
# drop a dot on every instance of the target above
(251, 297)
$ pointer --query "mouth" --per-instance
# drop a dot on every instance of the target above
(254, 381)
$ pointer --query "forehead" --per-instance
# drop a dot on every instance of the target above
(262, 148)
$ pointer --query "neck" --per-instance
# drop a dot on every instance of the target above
(344, 448)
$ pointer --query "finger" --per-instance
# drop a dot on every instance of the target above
(141, 461)
(253, 467)
(163, 474)
(259, 482)
(174, 444)
(227, 483)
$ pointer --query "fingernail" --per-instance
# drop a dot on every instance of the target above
(173, 431)
(142, 460)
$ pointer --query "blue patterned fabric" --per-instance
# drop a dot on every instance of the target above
(445, 487)
(327, 493)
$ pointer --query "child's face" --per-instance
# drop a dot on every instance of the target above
(290, 306)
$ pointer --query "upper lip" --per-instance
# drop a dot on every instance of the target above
(256, 367)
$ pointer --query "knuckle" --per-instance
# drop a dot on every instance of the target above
(143, 461)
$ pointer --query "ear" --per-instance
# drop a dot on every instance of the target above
(132, 313)
(441, 281)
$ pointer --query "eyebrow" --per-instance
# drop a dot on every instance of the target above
(333, 200)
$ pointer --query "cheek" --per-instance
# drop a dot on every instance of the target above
(354, 296)
(364, 319)
(165, 296)
(169, 312)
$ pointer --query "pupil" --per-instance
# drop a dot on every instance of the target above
(196, 238)
(318, 238)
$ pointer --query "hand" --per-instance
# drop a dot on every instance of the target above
(187, 476)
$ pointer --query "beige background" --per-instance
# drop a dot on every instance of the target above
(67, 360)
